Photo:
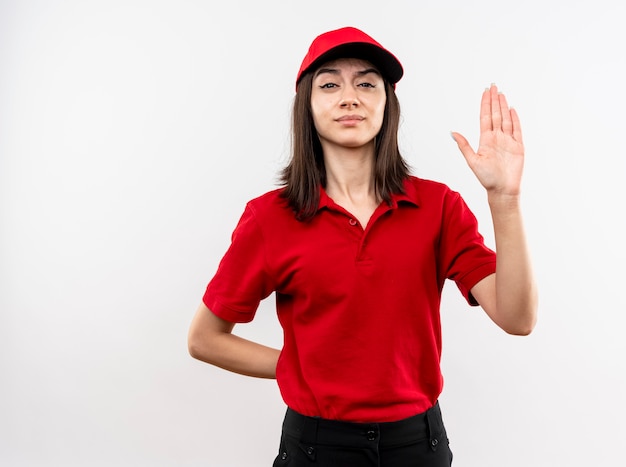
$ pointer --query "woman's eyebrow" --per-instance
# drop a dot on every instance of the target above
(335, 71)
(332, 71)
(367, 71)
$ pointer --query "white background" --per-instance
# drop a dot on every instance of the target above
(133, 132)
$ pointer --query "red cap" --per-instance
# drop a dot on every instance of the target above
(350, 43)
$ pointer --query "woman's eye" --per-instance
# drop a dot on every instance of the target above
(366, 85)
(328, 85)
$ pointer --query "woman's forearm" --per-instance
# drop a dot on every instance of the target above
(516, 292)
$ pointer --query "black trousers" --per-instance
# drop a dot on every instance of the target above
(418, 441)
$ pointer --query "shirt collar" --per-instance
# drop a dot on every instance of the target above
(410, 196)
(325, 200)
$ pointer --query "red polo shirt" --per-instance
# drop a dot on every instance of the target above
(359, 306)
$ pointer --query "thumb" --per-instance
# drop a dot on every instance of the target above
(463, 145)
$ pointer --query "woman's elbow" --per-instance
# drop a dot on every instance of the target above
(524, 324)
(519, 330)
(204, 334)
(200, 342)
(195, 345)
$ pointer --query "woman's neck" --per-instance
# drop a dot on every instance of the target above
(349, 174)
(350, 182)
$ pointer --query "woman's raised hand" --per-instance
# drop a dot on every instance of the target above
(498, 163)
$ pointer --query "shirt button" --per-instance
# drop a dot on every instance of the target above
(352, 221)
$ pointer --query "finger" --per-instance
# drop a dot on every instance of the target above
(496, 113)
(517, 126)
(463, 145)
(485, 112)
(507, 124)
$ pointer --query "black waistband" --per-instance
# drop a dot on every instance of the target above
(314, 430)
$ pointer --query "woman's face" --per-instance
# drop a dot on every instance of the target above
(348, 103)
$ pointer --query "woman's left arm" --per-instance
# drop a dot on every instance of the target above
(510, 295)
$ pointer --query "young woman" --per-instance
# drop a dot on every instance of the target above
(356, 251)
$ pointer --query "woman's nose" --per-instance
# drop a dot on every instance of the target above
(349, 98)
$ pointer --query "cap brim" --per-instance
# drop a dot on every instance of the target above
(388, 65)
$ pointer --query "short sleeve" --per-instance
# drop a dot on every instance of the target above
(465, 258)
(242, 279)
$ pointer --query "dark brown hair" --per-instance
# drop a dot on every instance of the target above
(305, 172)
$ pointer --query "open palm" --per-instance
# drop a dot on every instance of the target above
(498, 163)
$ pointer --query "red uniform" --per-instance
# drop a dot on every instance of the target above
(359, 305)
